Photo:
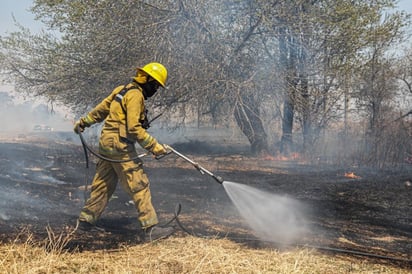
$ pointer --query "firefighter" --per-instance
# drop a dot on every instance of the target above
(124, 116)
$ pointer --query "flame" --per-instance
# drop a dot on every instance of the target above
(351, 175)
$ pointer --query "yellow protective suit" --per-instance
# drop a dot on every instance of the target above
(119, 133)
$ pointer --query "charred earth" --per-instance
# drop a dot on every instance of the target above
(43, 183)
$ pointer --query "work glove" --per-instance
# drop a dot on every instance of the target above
(159, 149)
(80, 125)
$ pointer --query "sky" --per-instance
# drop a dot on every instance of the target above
(20, 10)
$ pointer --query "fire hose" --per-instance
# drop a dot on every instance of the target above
(88, 148)
(169, 150)
(178, 207)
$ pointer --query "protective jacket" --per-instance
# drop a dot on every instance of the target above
(123, 121)
(122, 128)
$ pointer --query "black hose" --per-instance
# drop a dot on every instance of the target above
(178, 208)
(357, 252)
(87, 148)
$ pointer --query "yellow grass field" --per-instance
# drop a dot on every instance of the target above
(178, 255)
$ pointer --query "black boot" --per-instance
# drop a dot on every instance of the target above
(88, 227)
(157, 232)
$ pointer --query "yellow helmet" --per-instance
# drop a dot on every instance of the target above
(157, 71)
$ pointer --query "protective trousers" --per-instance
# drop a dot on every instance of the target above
(135, 182)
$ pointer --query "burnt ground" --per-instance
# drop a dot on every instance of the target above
(42, 184)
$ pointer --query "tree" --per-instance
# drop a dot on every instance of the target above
(321, 45)
(226, 58)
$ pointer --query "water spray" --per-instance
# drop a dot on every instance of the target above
(201, 169)
(272, 217)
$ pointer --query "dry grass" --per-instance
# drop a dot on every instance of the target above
(174, 255)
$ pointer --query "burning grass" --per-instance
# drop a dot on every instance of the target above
(175, 255)
(351, 175)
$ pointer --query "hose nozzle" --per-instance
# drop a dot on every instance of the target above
(218, 179)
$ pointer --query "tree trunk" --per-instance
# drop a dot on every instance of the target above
(308, 133)
(288, 63)
(305, 108)
(247, 118)
(287, 127)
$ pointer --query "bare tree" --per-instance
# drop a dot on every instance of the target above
(228, 60)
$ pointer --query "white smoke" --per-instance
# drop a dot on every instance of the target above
(23, 115)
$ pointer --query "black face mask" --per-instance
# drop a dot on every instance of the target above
(149, 89)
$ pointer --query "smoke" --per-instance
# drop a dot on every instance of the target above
(272, 217)
(23, 116)
(26, 183)
(16, 204)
